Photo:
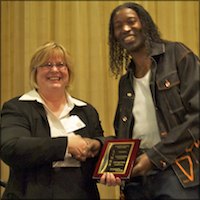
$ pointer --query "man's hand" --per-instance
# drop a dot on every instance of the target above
(142, 166)
(93, 147)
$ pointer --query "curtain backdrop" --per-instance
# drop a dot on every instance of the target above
(82, 27)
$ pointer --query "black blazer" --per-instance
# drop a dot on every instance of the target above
(28, 149)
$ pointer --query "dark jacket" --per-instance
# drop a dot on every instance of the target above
(175, 91)
(29, 151)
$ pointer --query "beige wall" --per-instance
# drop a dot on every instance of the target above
(82, 27)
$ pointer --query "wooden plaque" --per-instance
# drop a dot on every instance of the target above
(118, 157)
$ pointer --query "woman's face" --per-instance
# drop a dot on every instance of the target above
(53, 75)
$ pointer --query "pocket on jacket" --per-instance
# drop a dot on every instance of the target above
(169, 88)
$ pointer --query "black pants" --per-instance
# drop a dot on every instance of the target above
(69, 183)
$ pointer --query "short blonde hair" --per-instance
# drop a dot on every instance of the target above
(41, 56)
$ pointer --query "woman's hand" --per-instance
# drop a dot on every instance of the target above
(82, 148)
(77, 147)
(109, 179)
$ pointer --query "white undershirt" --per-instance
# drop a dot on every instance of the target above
(145, 126)
(58, 130)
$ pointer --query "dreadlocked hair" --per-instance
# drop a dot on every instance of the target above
(119, 58)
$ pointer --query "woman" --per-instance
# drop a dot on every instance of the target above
(46, 134)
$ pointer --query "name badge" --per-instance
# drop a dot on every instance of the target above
(72, 123)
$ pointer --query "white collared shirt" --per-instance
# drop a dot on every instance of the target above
(62, 126)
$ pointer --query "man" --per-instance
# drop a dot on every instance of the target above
(158, 103)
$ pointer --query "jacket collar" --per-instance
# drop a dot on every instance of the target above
(156, 50)
(34, 96)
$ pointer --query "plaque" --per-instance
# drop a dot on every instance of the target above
(118, 157)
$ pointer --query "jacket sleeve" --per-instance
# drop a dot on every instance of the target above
(25, 141)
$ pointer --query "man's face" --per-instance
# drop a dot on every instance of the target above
(128, 29)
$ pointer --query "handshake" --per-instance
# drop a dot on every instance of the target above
(82, 148)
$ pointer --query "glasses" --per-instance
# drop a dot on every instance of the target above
(50, 65)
